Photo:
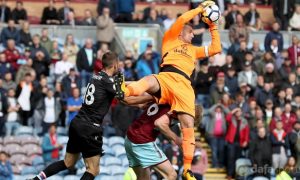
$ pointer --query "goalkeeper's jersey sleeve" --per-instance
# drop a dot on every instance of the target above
(183, 55)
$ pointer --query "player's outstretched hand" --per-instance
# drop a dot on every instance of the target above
(205, 3)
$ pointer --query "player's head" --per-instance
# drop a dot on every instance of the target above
(110, 61)
(187, 33)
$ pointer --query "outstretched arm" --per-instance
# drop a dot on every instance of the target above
(215, 46)
(162, 124)
(137, 100)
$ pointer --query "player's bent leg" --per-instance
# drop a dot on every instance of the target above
(146, 84)
(92, 167)
(166, 170)
(142, 173)
(188, 143)
(54, 168)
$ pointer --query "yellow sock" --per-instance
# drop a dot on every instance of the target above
(188, 147)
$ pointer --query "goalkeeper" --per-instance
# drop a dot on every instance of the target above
(173, 84)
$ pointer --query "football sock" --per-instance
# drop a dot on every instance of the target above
(87, 176)
(52, 169)
(188, 147)
(137, 88)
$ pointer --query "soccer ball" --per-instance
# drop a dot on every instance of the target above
(211, 14)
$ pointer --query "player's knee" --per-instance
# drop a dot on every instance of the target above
(69, 164)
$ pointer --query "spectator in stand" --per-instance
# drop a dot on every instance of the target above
(55, 52)
(239, 56)
(62, 68)
(105, 28)
(10, 32)
(12, 54)
(276, 117)
(71, 21)
(283, 11)
(256, 51)
(130, 74)
(51, 110)
(237, 137)
(288, 118)
(216, 134)
(200, 160)
(50, 145)
(261, 64)
(111, 4)
(231, 17)
(279, 58)
(40, 65)
(286, 69)
(147, 10)
(46, 42)
(248, 76)
(199, 28)
(291, 168)
(74, 104)
(24, 93)
(294, 140)
(6, 172)
(238, 29)
(98, 64)
(4, 12)
(202, 83)
(154, 18)
(24, 69)
(138, 18)
(71, 48)
(231, 81)
(268, 110)
(85, 61)
(12, 118)
(88, 20)
(24, 34)
(294, 21)
(69, 82)
(168, 22)
(37, 48)
(64, 11)
(280, 146)
(274, 34)
(125, 10)
(226, 100)
(294, 50)
(228, 63)
(218, 88)
(3, 109)
(240, 102)
(149, 64)
(5, 66)
(264, 94)
(291, 83)
(271, 76)
(50, 15)
(252, 18)
(261, 152)
(8, 82)
(19, 14)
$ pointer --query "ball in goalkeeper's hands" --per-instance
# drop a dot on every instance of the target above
(211, 14)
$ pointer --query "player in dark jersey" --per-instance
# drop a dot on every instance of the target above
(141, 149)
(85, 131)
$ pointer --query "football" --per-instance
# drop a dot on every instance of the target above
(211, 14)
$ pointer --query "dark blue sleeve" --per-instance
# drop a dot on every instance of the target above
(267, 42)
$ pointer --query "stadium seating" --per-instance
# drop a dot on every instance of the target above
(25, 131)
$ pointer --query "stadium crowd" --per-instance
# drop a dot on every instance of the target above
(251, 95)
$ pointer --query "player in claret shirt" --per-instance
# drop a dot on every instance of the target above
(141, 149)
